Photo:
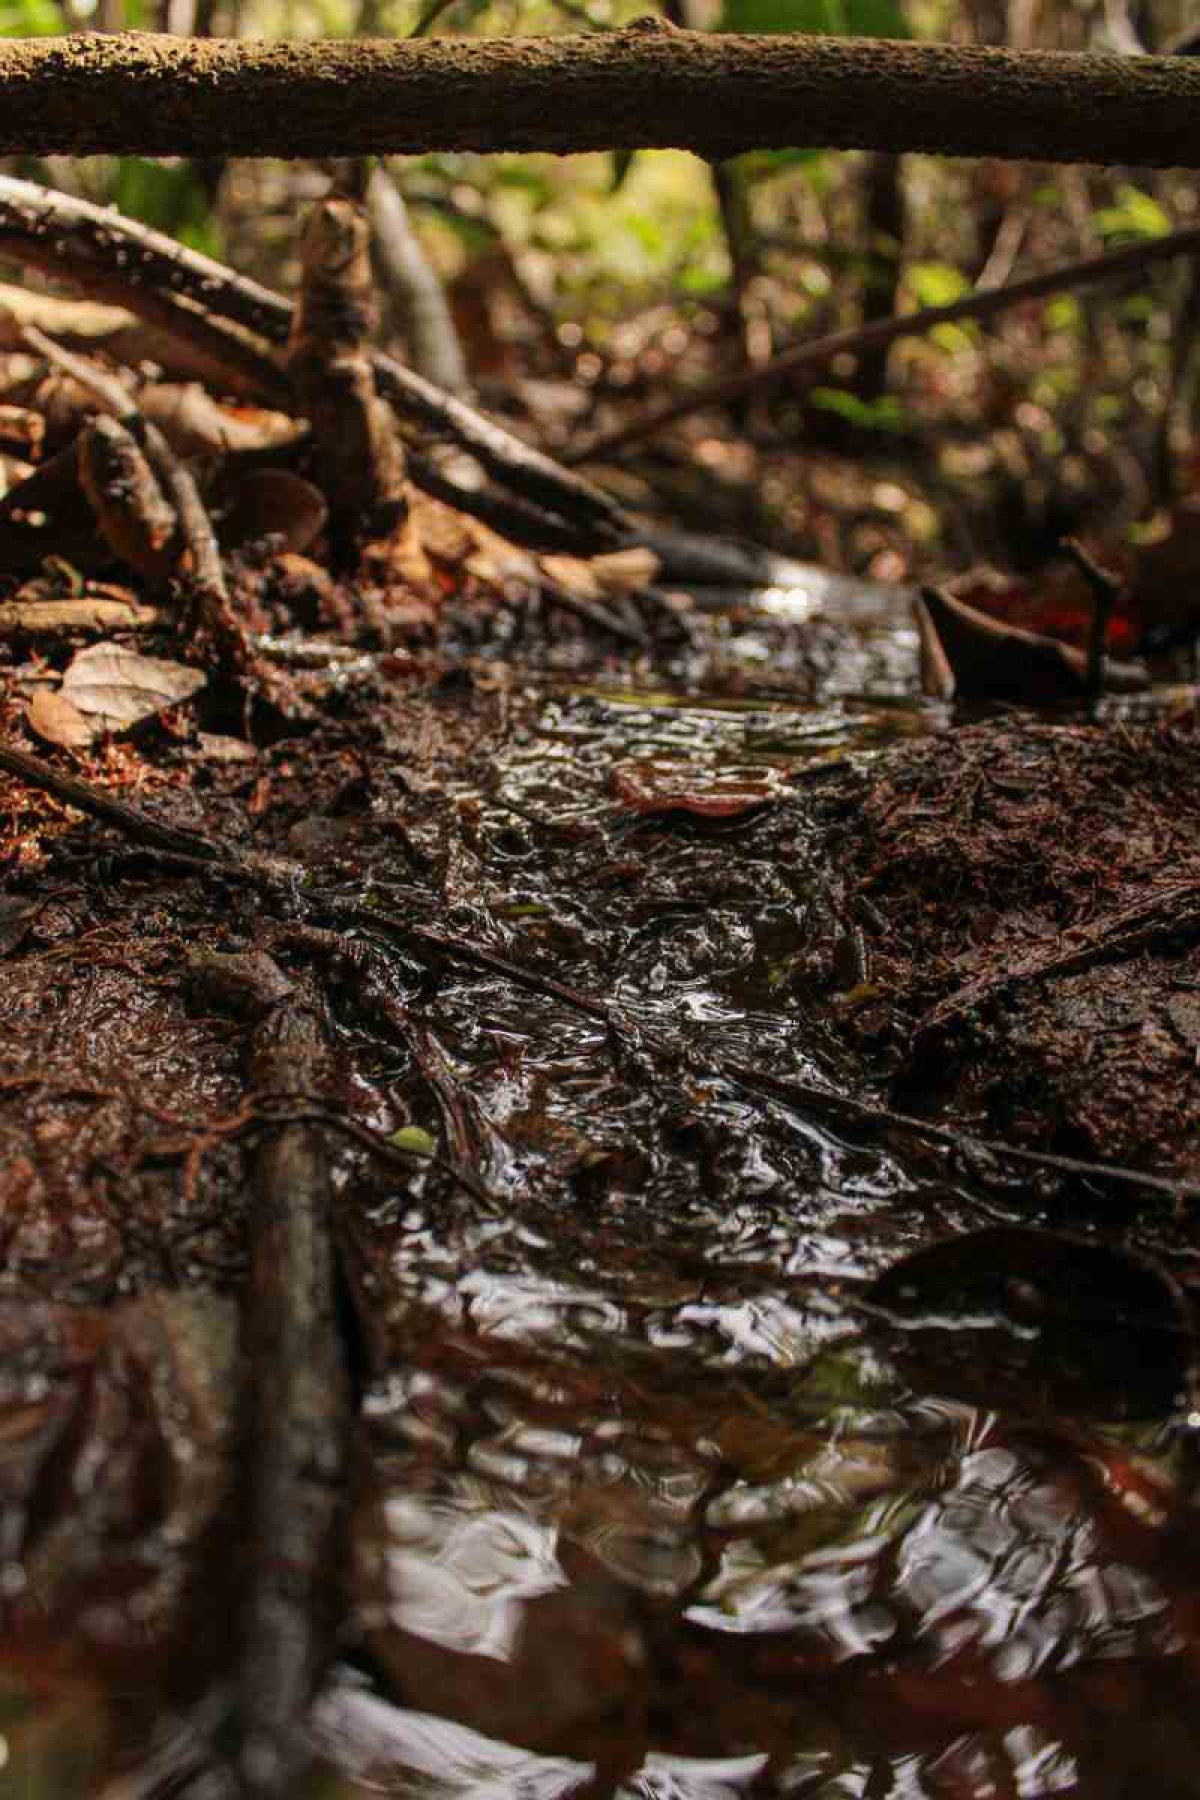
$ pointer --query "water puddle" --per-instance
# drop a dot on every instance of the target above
(654, 1497)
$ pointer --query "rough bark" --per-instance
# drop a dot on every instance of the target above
(648, 85)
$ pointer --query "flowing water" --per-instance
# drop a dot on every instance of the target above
(654, 1496)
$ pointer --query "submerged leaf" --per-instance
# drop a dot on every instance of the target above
(657, 785)
(1011, 1311)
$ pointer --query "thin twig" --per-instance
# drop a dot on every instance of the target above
(864, 1112)
(1106, 590)
(593, 614)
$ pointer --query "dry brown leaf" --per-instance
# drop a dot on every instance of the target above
(273, 503)
(656, 784)
(573, 574)
(57, 721)
(216, 748)
(118, 688)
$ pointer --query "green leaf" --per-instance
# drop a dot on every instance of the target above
(876, 18)
(770, 16)
(413, 1140)
(1135, 215)
(757, 165)
(833, 18)
(1063, 313)
(935, 283)
(884, 414)
(167, 196)
(30, 18)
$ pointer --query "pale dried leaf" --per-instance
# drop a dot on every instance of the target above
(216, 748)
(572, 574)
(118, 688)
(625, 571)
(57, 721)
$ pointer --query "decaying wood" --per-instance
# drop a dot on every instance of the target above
(61, 618)
(88, 326)
(647, 86)
(133, 513)
(356, 439)
(298, 1411)
(161, 281)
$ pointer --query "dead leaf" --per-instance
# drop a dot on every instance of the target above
(118, 688)
(573, 574)
(57, 721)
(16, 917)
(194, 424)
(273, 503)
(216, 748)
(1017, 1310)
(1183, 1010)
(657, 785)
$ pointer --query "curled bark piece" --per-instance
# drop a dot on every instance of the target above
(966, 653)
(131, 509)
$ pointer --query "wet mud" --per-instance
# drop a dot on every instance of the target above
(684, 1462)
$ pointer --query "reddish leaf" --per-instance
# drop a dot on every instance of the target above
(656, 785)
(57, 721)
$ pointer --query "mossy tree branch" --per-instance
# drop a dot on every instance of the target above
(650, 85)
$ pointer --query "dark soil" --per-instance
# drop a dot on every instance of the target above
(1025, 894)
(650, 1470)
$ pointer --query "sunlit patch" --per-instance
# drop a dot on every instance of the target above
(793, 603)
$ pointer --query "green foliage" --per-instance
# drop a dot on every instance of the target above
(1064, 313)
(833, 18)
(885, 414)
(1133, 215)
(29, 18)
(167, 196)
(413, 1140)
(935, 283)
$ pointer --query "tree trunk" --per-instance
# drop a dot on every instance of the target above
(647, 85)
(414, 289)
(882, 263)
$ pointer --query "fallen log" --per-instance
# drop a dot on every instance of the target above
(647, 86)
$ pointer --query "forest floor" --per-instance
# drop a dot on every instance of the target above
(596, 1195)
(643, 1432)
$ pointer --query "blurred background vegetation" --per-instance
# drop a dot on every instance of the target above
(570, 293)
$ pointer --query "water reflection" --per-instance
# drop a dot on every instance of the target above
(647, 1503)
